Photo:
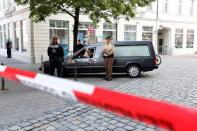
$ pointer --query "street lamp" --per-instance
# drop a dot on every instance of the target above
(116, 23)
(157, 16)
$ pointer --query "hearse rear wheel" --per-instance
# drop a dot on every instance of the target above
(133, 71)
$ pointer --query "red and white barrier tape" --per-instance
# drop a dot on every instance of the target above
(161, 114)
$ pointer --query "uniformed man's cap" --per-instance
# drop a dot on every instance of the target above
(108, 37)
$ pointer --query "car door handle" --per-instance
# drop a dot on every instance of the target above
(92, 61)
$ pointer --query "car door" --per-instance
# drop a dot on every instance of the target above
(99, 60)
(82, 63)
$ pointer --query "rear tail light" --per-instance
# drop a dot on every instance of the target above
(155, 61)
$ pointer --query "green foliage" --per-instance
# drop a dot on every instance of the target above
(96, 9)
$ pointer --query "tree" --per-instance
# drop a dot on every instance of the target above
(96, 9)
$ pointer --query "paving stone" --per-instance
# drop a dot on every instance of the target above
(120, 124)
(102, 128)
(90, 128)
(60, 116)
(50, 128)
(131, 124)
(120, 129)
(44, 122)
(111, 127)
(15, 128)
(50, 115)
(113, 121)
(33, 121)
(56, 113)
(76, 122)
(24, 124)
(80, 130)
(140, 127)
(149, 129)
(128, 128)
(52, 119)
(37, 125)
(20, 130)
(92, 118)
(104, 123)
(28, 128)
(83, 125)
(138, 130)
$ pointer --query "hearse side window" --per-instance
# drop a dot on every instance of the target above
(142, 50)
(83, 53)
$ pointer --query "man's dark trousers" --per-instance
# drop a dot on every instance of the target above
(9, 53)
(58, 66)
(108, 67)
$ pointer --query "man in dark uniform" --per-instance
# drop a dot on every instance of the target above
(56, 57)
(108, 53)
(78, 46)
(9, 46)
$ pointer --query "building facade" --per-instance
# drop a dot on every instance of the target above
(175, 31)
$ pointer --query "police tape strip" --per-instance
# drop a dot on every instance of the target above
(161, 114)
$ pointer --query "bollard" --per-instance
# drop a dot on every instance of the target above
(3, 82)
(75, 70)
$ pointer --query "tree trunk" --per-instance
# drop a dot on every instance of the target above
(75, 29)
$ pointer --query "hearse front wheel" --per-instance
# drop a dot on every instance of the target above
(133, 71)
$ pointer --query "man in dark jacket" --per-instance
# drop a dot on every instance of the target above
(78, 46)
(56, 57)
(9, 46)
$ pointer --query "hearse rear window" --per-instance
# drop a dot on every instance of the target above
(142, 50)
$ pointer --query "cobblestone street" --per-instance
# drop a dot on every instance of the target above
(23, 108)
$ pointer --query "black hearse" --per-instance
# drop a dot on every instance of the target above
(131, 57)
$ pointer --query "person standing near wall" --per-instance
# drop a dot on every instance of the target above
(9, 47)
(108, 54)
(78, 46)
(56, 57)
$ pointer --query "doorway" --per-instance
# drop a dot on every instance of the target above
(163, 40)
(160, 47)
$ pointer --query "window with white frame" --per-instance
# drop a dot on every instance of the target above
(5, 27)
(179, 7)
(17, 34)
(179, 38)
(130, 32)
(165, 6)
(4, 4)
(0, 5)
(60, 29)
(109, 30)
(147, 33)
(86, 33)
(10, 31)
(190, 38)
(191, 8)
(24, 35)
(1, 37)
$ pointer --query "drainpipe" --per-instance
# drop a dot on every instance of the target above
(157, 16)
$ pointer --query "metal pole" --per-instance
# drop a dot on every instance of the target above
(116, 29)
(42, 64)
(3, 82)
(157, 16)
(75, 70)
